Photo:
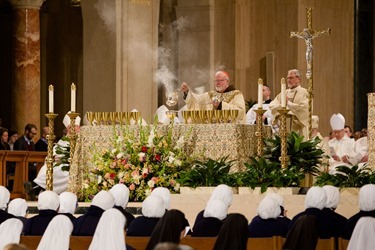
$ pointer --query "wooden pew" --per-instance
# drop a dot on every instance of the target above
(343, 244)
(19, 157)
(2, 167)
(31, 242)
(274, 243)
(36, 157)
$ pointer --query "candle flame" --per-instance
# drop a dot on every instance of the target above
(50, 87)
(73, 87)
(260, 81)
(283, 80)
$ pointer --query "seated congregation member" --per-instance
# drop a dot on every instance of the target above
(363, 236)
(109, 233)
(164, 194)
(68, 205)
(170, 228)
(315, 201)
(366, 199)
(333, 199)
(233, 234)
(85, 225)
(265, 224)
(10, 232)
(48, 203)
(214, 214)
(222, 192)
(152, 210)
(304, 234)
(4, 199)
(18, 207)
(4, 139)
(121, 194)
(57, 234)
(280, 200)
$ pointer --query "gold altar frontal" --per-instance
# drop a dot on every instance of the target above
(237, 141)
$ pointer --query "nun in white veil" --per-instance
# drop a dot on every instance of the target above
(109, 233)
(57, 234)
(363, 236)
(10, 231)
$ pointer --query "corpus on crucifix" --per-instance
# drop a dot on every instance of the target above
(308, 34)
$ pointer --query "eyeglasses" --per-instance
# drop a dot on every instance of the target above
(222, 80)
(33, 133)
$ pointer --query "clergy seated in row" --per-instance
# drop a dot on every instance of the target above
(85, 225)
(224, 97)
(297, 103)
(251, 116)
(221, 192)
(4, 200)
(366, 202)
(153, 208)
(170, 228)
(344, 151)
(214, 214)
(266, 223)
(121, 194)
(315, 201)
(48, 204)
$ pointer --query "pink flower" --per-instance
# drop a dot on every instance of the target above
(112, 176)
(142, 157)
(132, 187)
(172, 183)
(106, 176)
(124, 161)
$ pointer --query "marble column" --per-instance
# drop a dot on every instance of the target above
(25, 102)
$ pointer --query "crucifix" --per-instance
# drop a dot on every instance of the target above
(308, 34)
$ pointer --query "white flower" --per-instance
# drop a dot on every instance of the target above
(144, 171)
(114, 151)
(100, 178)
(179, 142)
(177, 187)
(171, 159)
(120, 175)
(119, 155)
(178, 162)
(151, 138)
(151, 183)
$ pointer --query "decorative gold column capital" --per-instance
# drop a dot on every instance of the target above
(26, 4)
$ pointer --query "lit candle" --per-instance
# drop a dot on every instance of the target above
(73, 98)
(283, 93)
(260, 93)
(50, 98)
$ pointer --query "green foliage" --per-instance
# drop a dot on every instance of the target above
(208, 173)
(304, 157)
(347, 177)
(62, 154)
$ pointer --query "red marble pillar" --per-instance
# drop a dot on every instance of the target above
(26, 65)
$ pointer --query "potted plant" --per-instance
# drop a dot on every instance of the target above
(304, 157)
(207, 173)
(347, 178)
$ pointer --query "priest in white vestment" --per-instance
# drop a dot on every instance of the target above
(224, 97)
(342, 148)
(60, 174)
(296, 101)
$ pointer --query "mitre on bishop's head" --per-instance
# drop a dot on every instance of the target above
(337, 121)
(66, 120)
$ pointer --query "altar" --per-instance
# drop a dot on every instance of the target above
(215, 141)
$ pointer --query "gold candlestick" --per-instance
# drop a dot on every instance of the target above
(50, 138)
(259, 131)
(72, 135)
(284, 158)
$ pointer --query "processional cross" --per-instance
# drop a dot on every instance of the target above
(308, 34)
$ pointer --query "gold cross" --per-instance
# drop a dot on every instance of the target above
(308, 34)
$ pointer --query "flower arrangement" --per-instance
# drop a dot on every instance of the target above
(142, 158)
